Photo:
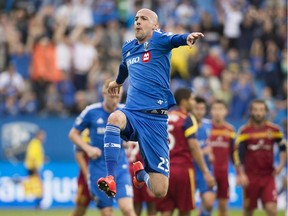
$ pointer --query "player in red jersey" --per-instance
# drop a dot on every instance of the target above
(141, 195)
(254, 159)
(221, 140)
(83, 197)
(183, 145)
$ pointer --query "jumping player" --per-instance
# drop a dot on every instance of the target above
(183, 145)
(221, 140)
(146, 60)
(254, 159)
(94, 117)
(207, 193)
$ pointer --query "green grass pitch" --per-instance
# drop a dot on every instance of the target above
(93, 212)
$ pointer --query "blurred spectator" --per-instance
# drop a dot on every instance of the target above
(213, 59)
(11, 88)
(232, 21)
(224, 92)
(53, 104)
(272, 73)
(76, 43)
(243, 93)
(21, 58)
(213, 32)
(184, 13)
(84, 57)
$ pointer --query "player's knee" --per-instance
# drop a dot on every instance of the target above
(127, 210)
(115, 118)
(160, 191)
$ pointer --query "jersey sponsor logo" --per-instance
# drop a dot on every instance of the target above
(219, 142)
(259, 146)
(133, 61)
(146, 57)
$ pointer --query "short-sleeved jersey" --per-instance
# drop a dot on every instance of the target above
(148, 66)
(203, 134)
(94, 117)
(221, 140)
(258, 147)
(181, 127)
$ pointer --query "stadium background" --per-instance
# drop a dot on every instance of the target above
(49, 45)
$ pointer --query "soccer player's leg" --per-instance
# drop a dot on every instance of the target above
(222, 192)
(102, 201)
(112, 145)
(83, 197)
(269, 195)
(153, 136)
(250, 195)
(207, 194)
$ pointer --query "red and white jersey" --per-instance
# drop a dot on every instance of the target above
(221, 140)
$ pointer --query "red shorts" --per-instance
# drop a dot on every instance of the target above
(140, 195)
(222, 183)
(83, 197)
(181, 191)
(262, 187)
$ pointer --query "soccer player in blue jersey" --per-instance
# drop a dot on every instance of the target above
(94, 117)
(207, 193)
(146, 60)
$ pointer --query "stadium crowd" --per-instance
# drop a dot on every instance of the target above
(55, 54)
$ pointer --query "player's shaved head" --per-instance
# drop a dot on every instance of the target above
(151, 14)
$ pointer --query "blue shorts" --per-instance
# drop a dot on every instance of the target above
(123, 185)
(200, 181)
(150, 130)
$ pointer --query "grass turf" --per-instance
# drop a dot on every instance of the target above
(93, 212)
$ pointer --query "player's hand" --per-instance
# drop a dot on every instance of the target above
(93, 152)
(277, 170)
(242, 179)
(114, 88)
(209, 179)
(193, 37)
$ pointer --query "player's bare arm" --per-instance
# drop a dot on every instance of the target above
(193, 37)
(75, 137)
(198, 157)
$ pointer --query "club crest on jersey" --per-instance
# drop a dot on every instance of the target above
(146, 45)
(146, 57)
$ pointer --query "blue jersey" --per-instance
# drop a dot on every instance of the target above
(94, 117)
(202, 135)
(148, 67)
(203, 132)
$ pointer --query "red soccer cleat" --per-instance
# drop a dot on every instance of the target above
(137, 166)
(107, 185)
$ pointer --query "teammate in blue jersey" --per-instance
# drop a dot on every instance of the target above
(207, 193)
(94, 117)
(146, 60)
